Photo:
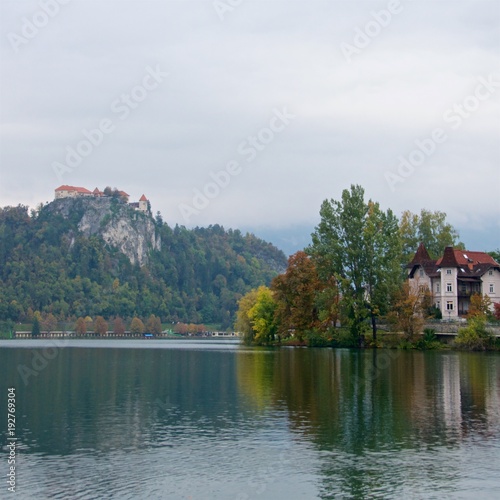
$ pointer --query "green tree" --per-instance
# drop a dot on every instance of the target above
(475, 336)
(243, 323)
(358, 245)
(429, 228)
(263, 316)
(137, 326)
(35, 329)
(328, 301)
(7, 329)
(495, 254)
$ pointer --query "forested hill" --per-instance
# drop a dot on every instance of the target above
(77, 258)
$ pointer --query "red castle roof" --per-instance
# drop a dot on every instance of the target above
(143, 198)
(73, 188)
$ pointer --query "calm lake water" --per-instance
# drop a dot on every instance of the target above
(211, 419)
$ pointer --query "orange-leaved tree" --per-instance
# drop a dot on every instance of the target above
(100, 326)
(480, 305)
(137, 326)
(296, 293)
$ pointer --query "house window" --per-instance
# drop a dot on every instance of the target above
(448, 271)
(477, 287)
(421, 272)
(438, 304)
(490, 273)
(492, 288)
(463, 287)
(438, 287)
(449, 288)
(449, 305)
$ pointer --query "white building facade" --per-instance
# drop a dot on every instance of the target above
(454, 278)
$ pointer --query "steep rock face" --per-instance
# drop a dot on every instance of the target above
(130, 231)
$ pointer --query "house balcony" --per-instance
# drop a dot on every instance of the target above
(467, 293)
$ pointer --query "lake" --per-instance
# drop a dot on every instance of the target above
(212, 419)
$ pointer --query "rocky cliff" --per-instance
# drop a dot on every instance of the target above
(132, 232)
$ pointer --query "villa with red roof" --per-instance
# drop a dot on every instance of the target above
(454, 277)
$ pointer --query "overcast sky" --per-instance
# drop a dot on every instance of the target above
(284, 103)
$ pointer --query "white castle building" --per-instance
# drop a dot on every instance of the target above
(76, 191)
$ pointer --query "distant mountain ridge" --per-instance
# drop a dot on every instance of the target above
(98, 256)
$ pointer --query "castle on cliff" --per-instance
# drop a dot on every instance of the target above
(76, 192)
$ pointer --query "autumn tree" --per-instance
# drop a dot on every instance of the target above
(80, 326)
(192, 328)
(153, 325)
(262, 316)
(89, 323)
(49, 323)
(243, 323)
(137, 326)
(480, 305)
(358, 245)
(429, 228)
(296, 293)
(407, 311)
(100, 326)
(118, 326)
(181, 328)
(497, 310)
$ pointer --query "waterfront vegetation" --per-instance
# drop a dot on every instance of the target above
(352, 278)
(346, 289)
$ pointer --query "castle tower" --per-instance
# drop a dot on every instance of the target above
(143, 204)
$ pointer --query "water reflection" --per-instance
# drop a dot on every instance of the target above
(256, 423)
(383, 421)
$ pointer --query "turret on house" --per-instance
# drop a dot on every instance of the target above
(455, 277)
